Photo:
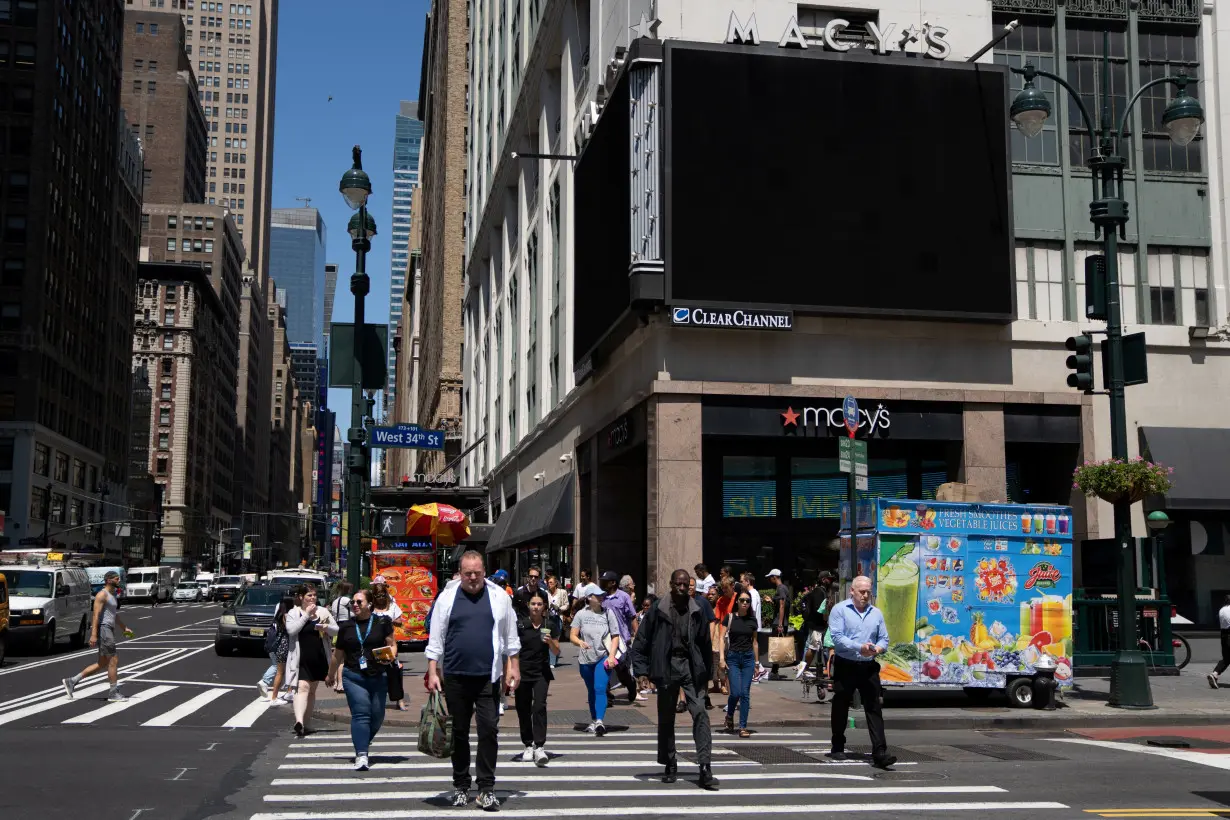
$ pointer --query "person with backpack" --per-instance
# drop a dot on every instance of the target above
(277, 643)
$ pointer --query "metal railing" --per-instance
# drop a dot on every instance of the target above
(1095, 636)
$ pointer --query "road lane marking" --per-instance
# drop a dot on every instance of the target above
(640, 793)
(50, 691)
(1199, 758)
(547, 774)
(116, 708)
(213, 683)
(572, 764)
(815, 808)
(621, 737)
(170, 718)
(245, 717)
(123, 644)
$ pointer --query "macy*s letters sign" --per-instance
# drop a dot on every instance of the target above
(930, 37)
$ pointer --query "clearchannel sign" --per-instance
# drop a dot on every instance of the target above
(736, 318)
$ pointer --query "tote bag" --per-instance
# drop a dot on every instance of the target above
(435, 728)
(781, 650)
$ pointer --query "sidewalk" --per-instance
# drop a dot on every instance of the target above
(1186, 699)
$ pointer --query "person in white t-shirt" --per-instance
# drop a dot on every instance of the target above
(1223, 621)
(703, 579)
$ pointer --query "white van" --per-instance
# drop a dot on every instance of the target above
(152, 583)
(48, 602)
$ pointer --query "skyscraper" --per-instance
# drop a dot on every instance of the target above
(234, 48)
(407, 145)
(297, 264)
(330, 288)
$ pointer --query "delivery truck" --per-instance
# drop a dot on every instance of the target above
(973, 595)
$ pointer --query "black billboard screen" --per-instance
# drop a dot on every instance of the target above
(837, 183)
(603, 226)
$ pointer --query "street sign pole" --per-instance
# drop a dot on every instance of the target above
(849, 411)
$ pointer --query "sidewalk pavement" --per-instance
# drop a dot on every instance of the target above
(1185, 699)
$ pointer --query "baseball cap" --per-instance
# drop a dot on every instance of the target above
(774, 573)
(609, 575)
(499, 575)
(829, 575)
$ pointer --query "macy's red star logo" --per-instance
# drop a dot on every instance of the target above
(790, 418)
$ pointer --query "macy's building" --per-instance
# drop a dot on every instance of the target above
(660, 334)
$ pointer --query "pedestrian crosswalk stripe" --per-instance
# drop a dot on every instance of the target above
(588, 741)
(565, 753)
(552, 794)
(248, 715)
(911, 807)
(376, 763)
(546, 773)
(116, 708)
(186, 708)
(53, 703)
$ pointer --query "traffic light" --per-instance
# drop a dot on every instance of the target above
(1080, 362)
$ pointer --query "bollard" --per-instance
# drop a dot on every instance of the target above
(1044, 684)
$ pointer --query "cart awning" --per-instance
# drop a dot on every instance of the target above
(547, 512)
(1199, 457)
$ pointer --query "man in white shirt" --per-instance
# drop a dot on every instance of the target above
(703, 579)
(1223, 620)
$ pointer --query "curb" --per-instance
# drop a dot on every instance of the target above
(907, 723)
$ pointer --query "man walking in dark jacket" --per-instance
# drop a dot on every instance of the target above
(673, 649)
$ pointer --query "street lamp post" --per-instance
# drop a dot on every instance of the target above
(1108, 211)
(355, 188)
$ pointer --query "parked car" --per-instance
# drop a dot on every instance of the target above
(49, 602)
(4, 616)
(243, 624)
(187, 591)
(227, 587)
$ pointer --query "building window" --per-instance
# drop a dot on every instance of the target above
(152, 87)
(166, 367)
(749, 486)
(169, 316)
(165, 392)
(153, 66)
(1178, 286)
(1032, 42)
(153, 28)
(61, 469)
(164, 441)
(1167, 51)
(161, 463)
(38, 503)
(1040, 281)
(171, 243)
(168, 341)
(164, 415)
(1084, 41)
(172, 221)
(186, 245)
(42, 459)
(78, 474)
(76, 511)
(209, 246)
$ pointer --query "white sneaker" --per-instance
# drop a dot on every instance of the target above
(799, 670)
(599, 728)
(501, 710)
(592, 727)
(288, 697)
(540, 757)
(116, 696)
(1211, 677)
(642, 696)
(69, 686)
(263, 687)
(528, 755)
(277, 702)
(361, 764)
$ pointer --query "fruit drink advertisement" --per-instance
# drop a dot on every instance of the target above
(973, 593)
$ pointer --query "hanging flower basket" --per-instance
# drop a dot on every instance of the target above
(1114, 480)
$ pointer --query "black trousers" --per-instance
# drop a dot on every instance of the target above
(862, 677)
(469, 697)
(668, 696)
(531, 696)
(1224, 663)
(397, 688)
(624, 672)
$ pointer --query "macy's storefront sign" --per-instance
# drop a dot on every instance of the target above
(870, 421)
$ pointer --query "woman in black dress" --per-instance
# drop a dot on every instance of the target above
(539, 640)
(311, 630)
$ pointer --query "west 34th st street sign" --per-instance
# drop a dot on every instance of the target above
(410, 436)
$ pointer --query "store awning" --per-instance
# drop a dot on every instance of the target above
(545, 513)
(1199, 456)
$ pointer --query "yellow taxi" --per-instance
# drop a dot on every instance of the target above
(4, 615)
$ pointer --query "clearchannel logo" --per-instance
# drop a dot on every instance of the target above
(734, 318)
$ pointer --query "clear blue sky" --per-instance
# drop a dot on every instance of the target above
(366, 56)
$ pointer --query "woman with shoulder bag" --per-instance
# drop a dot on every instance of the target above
(363, 644)
(384, 605)
(738, 659)
(596, 632)
(280, 643)
(311, 629)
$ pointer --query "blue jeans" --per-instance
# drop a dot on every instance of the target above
(596, 676)
(742, 667)
(272, 671)
(366, 696)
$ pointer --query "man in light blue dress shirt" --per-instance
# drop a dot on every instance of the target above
(859, 636)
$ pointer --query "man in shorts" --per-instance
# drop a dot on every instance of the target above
(102, 635)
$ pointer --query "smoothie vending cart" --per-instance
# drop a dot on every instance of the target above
(973, 595)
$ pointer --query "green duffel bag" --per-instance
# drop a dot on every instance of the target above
(435, 728)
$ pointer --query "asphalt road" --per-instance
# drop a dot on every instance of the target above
(218, 756)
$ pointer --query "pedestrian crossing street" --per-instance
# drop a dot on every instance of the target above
(619, 773)
(152, 703)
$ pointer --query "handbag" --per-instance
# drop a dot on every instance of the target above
(271, 639)
(781, 650)
(435, 728)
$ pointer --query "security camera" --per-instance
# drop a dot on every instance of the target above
(565, 458)
(539, 476)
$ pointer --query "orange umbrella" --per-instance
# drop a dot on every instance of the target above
(447, 525)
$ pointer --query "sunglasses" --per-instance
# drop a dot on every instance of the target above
(745, 600)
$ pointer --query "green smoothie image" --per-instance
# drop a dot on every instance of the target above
(897, 598)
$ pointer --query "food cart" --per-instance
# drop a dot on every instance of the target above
(973, 595)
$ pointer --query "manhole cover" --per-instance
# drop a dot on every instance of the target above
(615, 720)
(772, 755)
(1005, 752)
(904, 755)
(1175, 742)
